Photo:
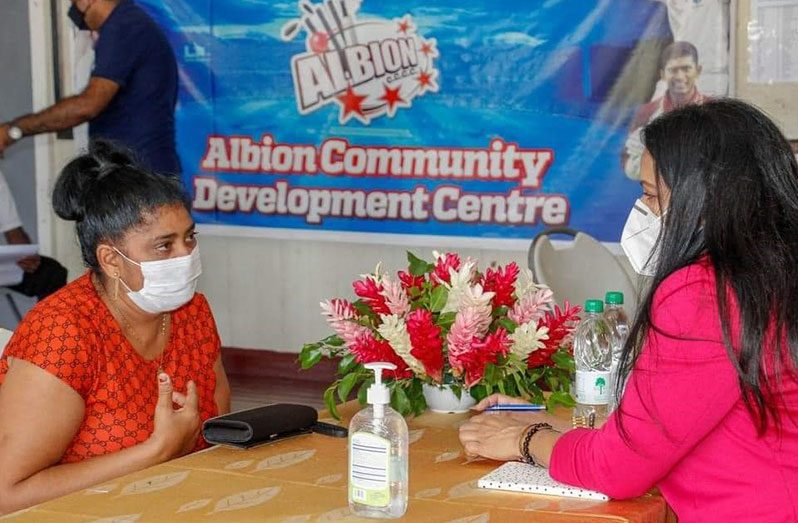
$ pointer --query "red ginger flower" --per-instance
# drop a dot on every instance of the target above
(408, 280)
(442, 266)
(426, 342)
(482, 353)
(371, 292)
(561, 324)
(368, 349)
(502, 282)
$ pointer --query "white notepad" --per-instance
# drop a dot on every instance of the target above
(521, 477)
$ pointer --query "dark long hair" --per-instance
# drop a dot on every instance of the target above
(734, 197)
(107, 195)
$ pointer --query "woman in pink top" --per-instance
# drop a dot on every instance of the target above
(710, 411)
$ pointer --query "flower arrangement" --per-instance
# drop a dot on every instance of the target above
(446, 323)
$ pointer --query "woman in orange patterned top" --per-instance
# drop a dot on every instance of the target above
(116, 371)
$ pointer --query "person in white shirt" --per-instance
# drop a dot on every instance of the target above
(41, 275)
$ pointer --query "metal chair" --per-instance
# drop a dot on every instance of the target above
(580, 269)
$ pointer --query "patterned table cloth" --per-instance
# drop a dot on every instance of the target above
(303, 479)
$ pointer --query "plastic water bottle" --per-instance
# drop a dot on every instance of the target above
(593, 359)
(618, 322)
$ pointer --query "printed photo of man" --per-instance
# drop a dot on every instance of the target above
(679, 69)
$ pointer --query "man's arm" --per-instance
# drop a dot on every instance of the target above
(66, 113)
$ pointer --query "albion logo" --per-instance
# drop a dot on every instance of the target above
(369, 67)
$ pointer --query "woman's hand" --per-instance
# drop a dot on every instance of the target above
(557, 423)
(176, 430)
(495, 399)
(492, 435)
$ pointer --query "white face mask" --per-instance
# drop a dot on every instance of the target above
(639, 238)
(168, 284)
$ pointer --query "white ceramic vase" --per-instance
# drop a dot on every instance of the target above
(443, 399)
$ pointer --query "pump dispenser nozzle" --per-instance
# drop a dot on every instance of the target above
(378, 394)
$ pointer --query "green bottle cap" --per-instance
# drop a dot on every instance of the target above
(594, 306)
(614, 298)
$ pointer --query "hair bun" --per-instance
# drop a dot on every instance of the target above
(79, 176)
(109, 157)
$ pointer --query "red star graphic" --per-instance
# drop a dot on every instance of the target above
(392, 97)
(424, 79)
(351, 102)
(404, 25)
(426, 48)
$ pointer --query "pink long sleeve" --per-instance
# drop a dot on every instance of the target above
(687, 429)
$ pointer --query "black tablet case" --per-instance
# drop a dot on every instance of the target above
(248, 428)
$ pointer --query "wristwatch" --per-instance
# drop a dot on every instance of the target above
(15, 133)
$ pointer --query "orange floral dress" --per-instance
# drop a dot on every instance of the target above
(73, 335)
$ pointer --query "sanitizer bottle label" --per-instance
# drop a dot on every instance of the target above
(593, 387)
(369, 470)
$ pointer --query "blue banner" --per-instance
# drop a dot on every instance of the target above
(473, 119)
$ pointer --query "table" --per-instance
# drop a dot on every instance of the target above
(304, 479)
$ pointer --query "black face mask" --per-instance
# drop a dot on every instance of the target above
(78, 18)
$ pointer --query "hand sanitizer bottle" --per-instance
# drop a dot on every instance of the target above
(378, 454)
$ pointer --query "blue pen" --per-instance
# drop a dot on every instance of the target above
(514, 407)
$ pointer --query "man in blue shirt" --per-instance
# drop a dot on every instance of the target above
(132, 93)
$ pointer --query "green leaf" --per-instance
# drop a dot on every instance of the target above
(346, 364)
(560, 398)
(400, 401)
(564, 361)
(437, 300)
(329, 401)
(309, 358)
(446, 320)
(345, 386)
(417, 266)
(508, 324)
(478, 392)
(500, 312)
(361, 307)
(333, 340)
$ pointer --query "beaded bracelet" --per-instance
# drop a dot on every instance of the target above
(530, 430)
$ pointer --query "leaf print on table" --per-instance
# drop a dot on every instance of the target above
(541, 504)
(327, 480)
(238, 465)
(247, 499)
(297, 519)
(287, 459)
(415, 435)
(129, 518)
(428, 493)
(481, 518)
(447, 456)
(579, 504)
(335, 515)
(155, 483)
(100, 489)
(461, 490)
(194, 505)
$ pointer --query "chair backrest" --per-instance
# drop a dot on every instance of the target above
(581, 269)
(5, 335)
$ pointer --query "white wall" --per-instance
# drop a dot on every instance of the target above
(265, 293)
